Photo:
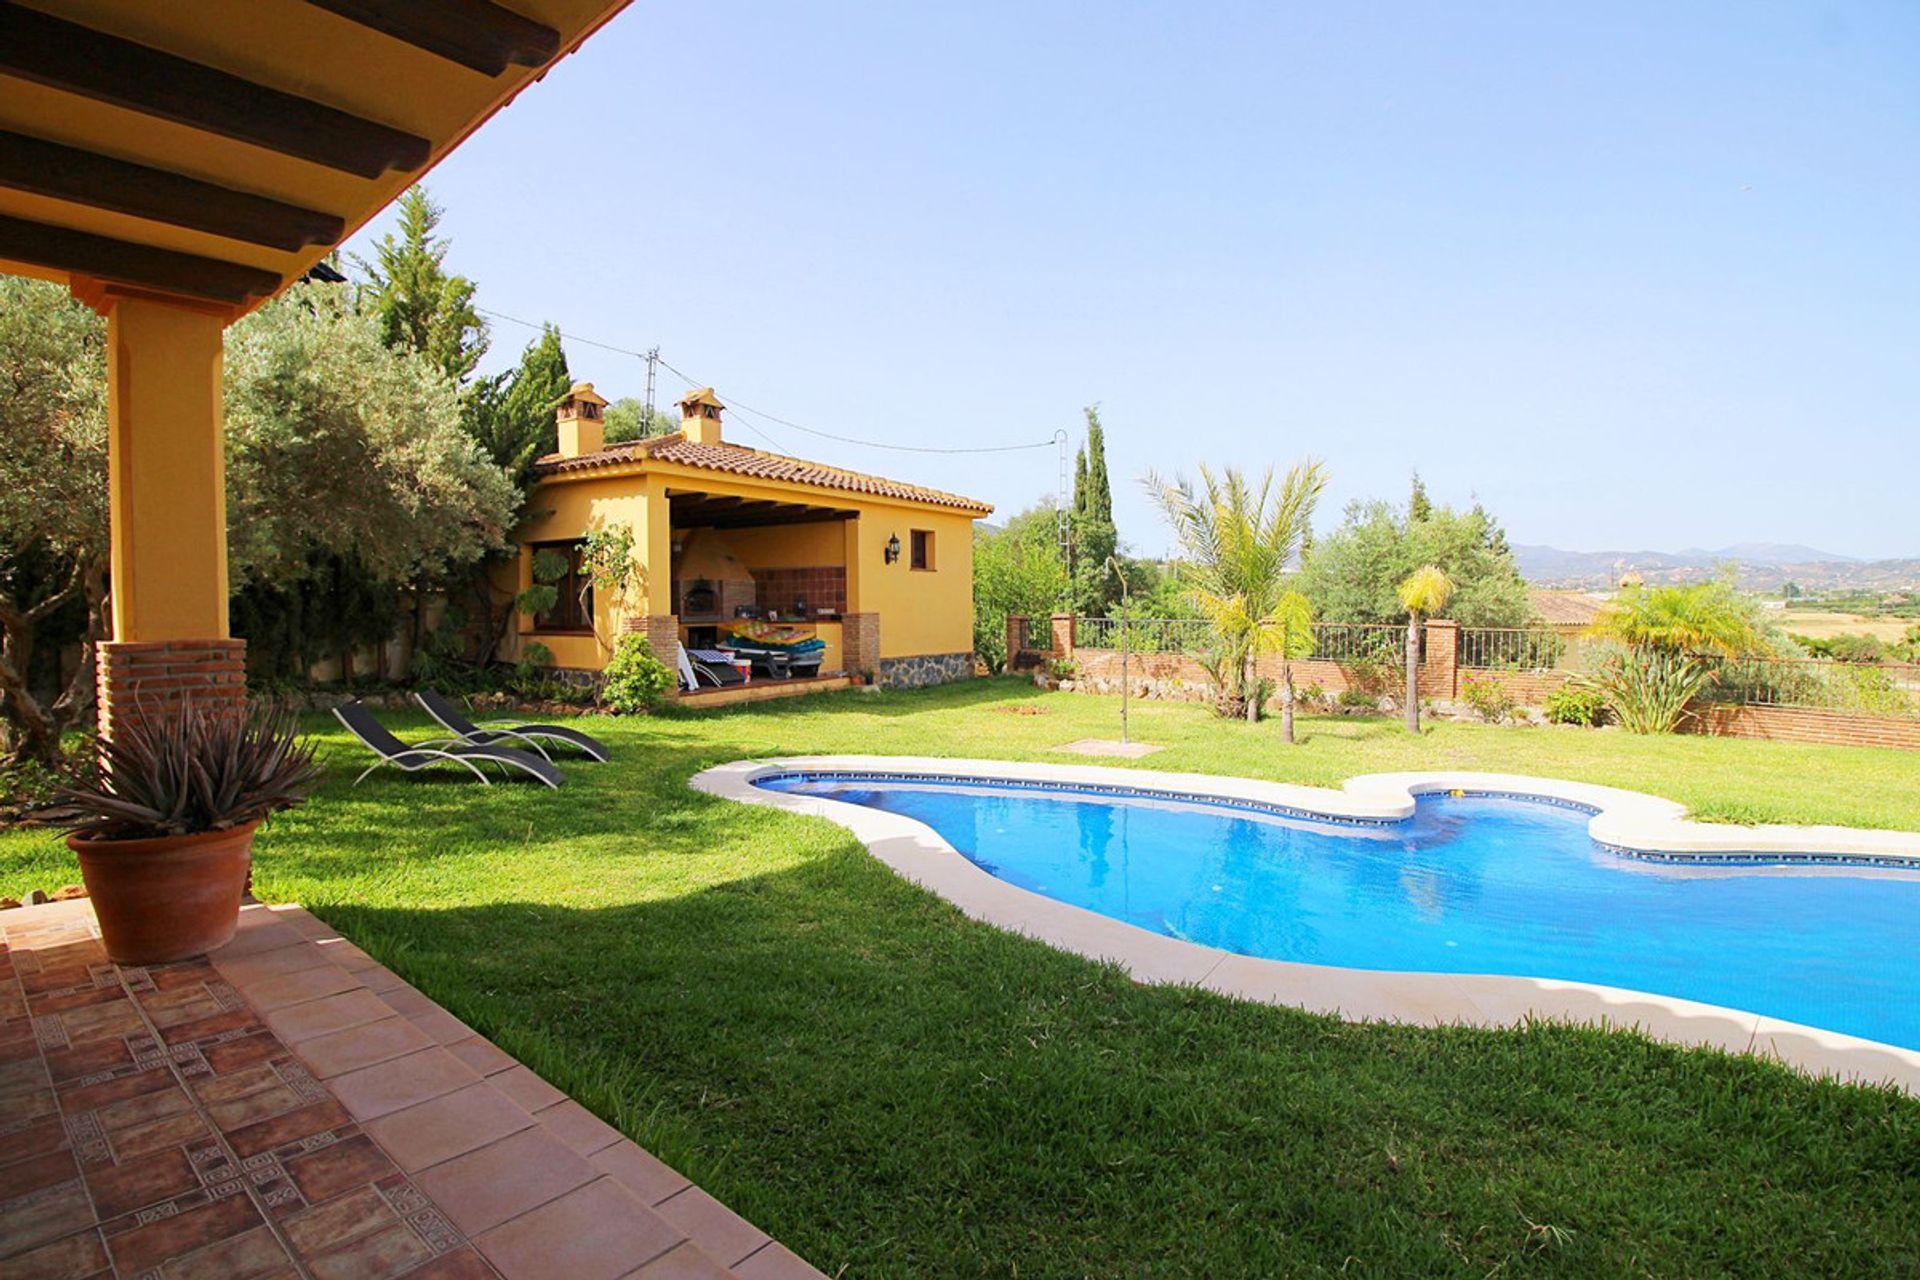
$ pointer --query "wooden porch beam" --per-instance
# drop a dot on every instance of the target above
(75, 59)
(163, 270)
(477, 34)
(101, 182)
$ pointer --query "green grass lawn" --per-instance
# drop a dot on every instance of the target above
(896, 1090)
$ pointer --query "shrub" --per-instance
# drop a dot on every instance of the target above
(1490, 700)
(1576, 705)
(635, 679)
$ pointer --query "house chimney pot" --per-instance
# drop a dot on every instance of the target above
(700, 416)
(580, 426)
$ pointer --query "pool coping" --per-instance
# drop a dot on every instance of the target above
(1628, 822)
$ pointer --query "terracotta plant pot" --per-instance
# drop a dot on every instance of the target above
(167, 898)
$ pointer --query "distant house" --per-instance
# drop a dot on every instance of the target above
(1566, 611)
(731, 542)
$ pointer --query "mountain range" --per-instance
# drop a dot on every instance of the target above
(1763, 566)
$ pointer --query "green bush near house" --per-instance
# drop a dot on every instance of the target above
(634, 680)
(1577, 705)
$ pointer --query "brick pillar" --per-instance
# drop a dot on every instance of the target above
(141, 678)
(1440, 668)
(1063, 634)
(860, 642)
(662, 631)
(1017, 624)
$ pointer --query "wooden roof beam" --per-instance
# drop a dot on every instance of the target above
(101, 182)
(476, 34)
(162, 270)
(75, 59)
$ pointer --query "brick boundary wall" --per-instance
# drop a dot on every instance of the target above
(136, 678)
(1805, 724)
(663, 635)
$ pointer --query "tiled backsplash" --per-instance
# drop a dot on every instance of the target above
(781, 590)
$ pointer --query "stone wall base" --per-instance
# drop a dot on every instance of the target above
(138, 679)
(924, 669)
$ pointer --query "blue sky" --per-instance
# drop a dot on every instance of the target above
(1635, 275)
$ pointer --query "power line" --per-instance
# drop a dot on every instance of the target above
(654, 356)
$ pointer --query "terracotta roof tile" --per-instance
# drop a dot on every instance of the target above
(756, 464)
(1564, 608)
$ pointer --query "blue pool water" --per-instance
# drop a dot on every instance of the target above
(1467, 885)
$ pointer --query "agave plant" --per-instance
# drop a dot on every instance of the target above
(191, 771)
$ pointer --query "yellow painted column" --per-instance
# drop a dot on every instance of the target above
(654, 549)
(167, 472)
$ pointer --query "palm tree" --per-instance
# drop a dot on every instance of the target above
(1238, 540)
(1673, 636)
(1288, 632)
(1424, 593)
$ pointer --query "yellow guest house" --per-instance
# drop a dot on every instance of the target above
(730, 542)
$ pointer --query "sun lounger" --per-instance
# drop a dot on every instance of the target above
(449, 717)
(375, 737)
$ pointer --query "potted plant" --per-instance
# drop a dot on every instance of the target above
(164, 832)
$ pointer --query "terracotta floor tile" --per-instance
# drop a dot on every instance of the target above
(253, 940)
(235, 1084)
(217, 1025)
(407, 1002)
(382, 1254)
(484, 1188)
(345, 954)
(349, 1163)
(59, 1001)
(250, 1255)
(284, 989)
(75, 1098)
(88, 1059)
(155, 1104)
(24, 1073)
(23, 1177)
(121, 1188)
(380, 979)
(442, 1026)
(255, 1106)
(44, 1215)
(233, 1055)
(390, 1086)
(362, 1046)
(101, 1021)
(187, 973)
(599, 1232)
(464, 1263)
(75, 1257)
(774, 1261)
(182, 1004)
(329, 1013)
(687, 1262)
(448, 1126)
(711, 1225)
(19, 1141)
(527, 1088)
(245, 970)
(340, 1220)
(482, 1055)
(303, 1122)
(152, 1136)
(153, 1243)
(639, 1171)
(578, 1127)
(31, 1104)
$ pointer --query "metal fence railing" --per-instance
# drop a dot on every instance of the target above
(1856, 688)
(1368, 642)
(1531, 649)
(1144, 635)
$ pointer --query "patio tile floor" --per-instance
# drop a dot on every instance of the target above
(289, 1108)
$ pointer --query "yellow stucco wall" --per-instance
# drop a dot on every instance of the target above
(921, 612)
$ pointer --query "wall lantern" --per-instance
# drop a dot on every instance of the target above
(893, 549)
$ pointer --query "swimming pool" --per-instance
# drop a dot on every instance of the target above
(1468, 884)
